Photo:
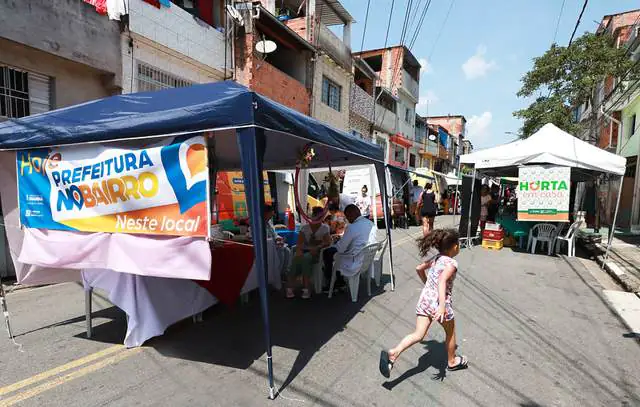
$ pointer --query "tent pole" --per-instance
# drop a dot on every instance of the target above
(381, 171)
(612, 231)
(251, 143)
(473, 185)
(5, 310)
(455, 196)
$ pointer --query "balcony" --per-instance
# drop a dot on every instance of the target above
(180, 32)
(280, 87)
(361, 102)
(386, 120)
(410, 86)
(334, 47)
(68, 29)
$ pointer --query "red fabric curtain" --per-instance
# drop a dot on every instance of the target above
(205, 11)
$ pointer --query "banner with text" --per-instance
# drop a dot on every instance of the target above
(543, 193)
(158, 190)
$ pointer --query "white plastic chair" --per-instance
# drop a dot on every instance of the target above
(377, 262)
(569, 238)
(368, 253)
(546, 234)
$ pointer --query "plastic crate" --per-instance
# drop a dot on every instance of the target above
(493, 234)
(493, 244)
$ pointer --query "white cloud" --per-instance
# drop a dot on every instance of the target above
(428, 99)
(478, 128)
(477, 66)
(425, 66)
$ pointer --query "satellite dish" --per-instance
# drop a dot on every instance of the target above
(266, 46)
(432, 137)
(235, 14)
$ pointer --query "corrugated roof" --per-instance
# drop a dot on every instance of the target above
(332, 12)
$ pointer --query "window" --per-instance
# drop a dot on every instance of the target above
(23, 93)
(398, 154)
(331, 93)
(382, 143)
(632, 127)
(407, 115)
(412, 160)
(152, 79)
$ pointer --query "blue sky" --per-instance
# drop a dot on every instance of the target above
(484, 48)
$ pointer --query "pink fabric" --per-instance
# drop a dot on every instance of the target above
(25, 273)
(172, 257)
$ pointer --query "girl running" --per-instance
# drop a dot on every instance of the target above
(435, 300)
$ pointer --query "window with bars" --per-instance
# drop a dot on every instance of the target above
(23, 93)
(152, 79)
(331, 93)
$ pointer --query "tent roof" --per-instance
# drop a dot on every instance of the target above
(549, 145)
(220, 106)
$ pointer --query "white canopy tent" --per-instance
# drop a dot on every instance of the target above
(549, 145)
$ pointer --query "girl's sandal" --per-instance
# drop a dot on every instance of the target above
(463, 364)
(385, 364)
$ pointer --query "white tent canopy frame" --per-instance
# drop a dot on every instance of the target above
(550, 145)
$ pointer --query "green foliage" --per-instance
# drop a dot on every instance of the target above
(569, 75)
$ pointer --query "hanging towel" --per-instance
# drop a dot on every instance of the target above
(100, 5)
(155, 3)
(117, 8)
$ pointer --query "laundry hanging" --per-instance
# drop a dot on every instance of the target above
(117, 8)
(100, 5)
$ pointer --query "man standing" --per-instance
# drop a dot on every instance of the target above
(363, 202)
(416, 193)
(358, 234)
(284, 251)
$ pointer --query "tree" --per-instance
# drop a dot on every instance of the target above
(568, 76)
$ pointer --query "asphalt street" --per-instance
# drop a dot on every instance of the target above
(537, 331)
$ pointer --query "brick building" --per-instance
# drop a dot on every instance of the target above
(456, 127)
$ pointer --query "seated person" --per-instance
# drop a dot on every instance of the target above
(284, 252)
(358, 234)
(338, 221)
(311, 240)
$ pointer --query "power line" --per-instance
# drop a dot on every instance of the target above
(386, 37)
(584, 6)
(364, 31)
(555, 35)
(419, 27)
(444, 23)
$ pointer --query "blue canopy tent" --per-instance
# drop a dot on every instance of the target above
(250, 133)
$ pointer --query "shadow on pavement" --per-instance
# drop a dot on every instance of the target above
(435, 356)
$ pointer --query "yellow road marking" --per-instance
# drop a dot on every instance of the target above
(60, 369)
(68, 377)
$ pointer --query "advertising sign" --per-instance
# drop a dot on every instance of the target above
(159, 190)
(543, 193)
(230, 199)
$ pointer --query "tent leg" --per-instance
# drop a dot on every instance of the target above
(381, 171)
(5, 310)
(251, 142)
(88, 297)
(455, 196)
(612, 231)
(469, 242)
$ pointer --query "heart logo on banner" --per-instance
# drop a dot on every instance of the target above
(193, 161)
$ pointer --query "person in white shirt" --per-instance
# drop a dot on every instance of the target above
(363, 202)
(416, 193)
(358, 234)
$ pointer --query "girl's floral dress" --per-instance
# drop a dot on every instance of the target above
(428, 301)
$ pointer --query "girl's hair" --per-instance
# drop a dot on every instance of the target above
(440, 239)
(428, 185)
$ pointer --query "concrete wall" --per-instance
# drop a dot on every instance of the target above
(162, 58)
(361, 103)
(177, 30)
(71, 29)
(628, 147)
(407, 129)
(72, 82)
(333, 46)
(326, 67)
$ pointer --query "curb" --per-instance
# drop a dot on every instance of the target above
(630, 284)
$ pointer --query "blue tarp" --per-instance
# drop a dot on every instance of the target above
(444, 137)
(214, 106)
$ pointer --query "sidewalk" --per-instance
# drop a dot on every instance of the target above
(623, 263)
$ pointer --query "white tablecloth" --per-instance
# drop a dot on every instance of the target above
(155, 303)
